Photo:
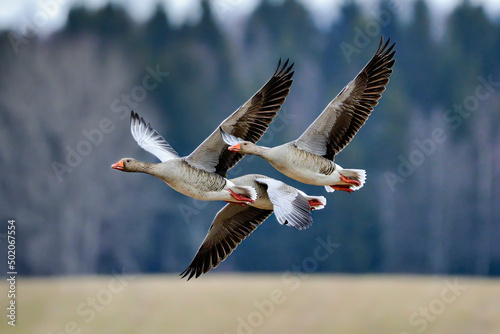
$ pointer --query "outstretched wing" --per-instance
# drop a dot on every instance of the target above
(150, 140)
(290, 207)
(249, 123)
(345, 115)
(231, 225)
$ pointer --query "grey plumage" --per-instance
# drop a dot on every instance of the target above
(310, 158)
(233, 223)
(349, 110)
(201, 175)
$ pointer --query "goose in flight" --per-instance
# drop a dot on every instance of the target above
(235, 222)
(310, 158)
(202, 174)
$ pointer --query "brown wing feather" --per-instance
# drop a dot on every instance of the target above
(347, 113)
(231, 225)
(249, 122)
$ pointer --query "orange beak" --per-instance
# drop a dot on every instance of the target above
(234, 148)
(118, 165)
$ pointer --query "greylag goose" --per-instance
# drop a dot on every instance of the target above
(202, 174)
(235, 222)
(310, 158)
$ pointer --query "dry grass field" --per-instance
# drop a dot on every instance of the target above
(247, 304)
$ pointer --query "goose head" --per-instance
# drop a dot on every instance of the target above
(237, 144)
(244, 147)
(128, 165)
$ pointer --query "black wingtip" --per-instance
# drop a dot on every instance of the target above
(132, 116)
(384, 48)
(286, 63)
(283, 70)
(277, 67)
(189, 273)
(184, 273)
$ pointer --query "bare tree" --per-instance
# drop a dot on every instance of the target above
(61, 137)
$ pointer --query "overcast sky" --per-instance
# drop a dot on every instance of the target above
(49, 15)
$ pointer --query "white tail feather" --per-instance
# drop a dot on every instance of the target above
(320, 199)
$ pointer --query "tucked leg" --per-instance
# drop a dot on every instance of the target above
(343, 187)
(313, 203)
(239, 197)
(349, 180)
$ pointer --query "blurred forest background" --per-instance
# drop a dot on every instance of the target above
(431, 148)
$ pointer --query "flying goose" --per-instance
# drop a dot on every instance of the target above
(235, 222)
(202, 174)
(310, 158)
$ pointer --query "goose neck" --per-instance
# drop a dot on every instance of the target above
(261, 151)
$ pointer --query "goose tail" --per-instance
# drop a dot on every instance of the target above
(358, 175)
(316, 202)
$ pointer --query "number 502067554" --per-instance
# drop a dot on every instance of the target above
(11, 248)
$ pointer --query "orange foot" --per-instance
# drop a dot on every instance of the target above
(240, 197)
(343, 187)
(313, 203)
(349, 180)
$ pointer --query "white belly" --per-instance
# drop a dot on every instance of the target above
(195, 192)
(308, 176)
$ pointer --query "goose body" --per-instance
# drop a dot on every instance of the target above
(307, 167)
(202, 174)
(235, 222)
(193, 182)
(271, 192)
(301, 165)
(310, 158)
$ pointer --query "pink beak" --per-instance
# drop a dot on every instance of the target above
(118, 165)
(234, 148)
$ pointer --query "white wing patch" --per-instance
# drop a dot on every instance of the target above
(290, 207)
(150, 140)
